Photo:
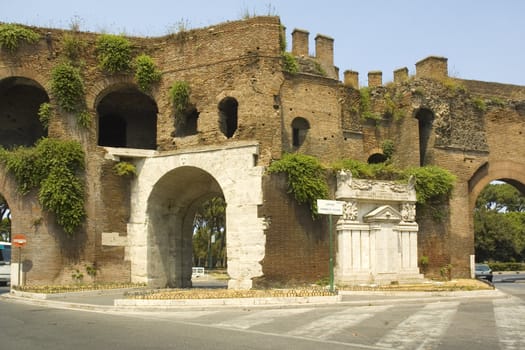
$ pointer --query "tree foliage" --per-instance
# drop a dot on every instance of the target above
(5, 219)
(499, 224)
(210, 221)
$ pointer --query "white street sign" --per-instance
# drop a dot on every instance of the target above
(329, 207)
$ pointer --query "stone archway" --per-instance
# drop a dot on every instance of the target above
(165, 195)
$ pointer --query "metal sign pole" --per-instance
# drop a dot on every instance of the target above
(331, 254)
(19, 264)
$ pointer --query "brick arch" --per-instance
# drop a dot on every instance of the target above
(32, 74)
(505, 170)
(103, 87)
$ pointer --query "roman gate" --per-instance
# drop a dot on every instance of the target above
(247, 102)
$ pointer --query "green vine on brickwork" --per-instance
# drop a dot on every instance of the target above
(365, 105)
(114, 53)
(146, 73)
(67, 86)
(388, 148)
(290, 63)
(306, 178)
(180, 98)
(44, 114)
(73, 46)
(51, 166)
(125, 169)
(12, 35)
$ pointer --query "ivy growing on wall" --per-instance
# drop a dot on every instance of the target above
(114, 53)
(67, 86)
(11, 35)
(146, 73)
(180, 98)
(44, 114)
(290, 64)
(52, 167)
(306, 178)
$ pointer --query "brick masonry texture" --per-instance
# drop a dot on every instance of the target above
(477, 133)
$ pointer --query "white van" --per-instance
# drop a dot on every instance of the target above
(5, 263)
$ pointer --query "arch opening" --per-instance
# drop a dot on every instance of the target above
(228, 120)
(300, 127)
(425, 119)
(187, 125)
(127, 118)
(377, 158)
(173, 206)
(20, 100)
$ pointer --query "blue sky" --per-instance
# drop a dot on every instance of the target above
(482, 39)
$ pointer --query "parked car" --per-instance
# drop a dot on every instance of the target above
(483, 271)
(5, 262)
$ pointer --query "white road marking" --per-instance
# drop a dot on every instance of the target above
(423, 329)
(510, 323)
(260, 317)
(325, 327)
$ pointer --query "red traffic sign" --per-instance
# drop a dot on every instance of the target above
(19, 240)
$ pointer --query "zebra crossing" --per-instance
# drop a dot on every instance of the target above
(424, 325)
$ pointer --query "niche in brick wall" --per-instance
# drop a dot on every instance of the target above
(20, 99)
(425, 118)
(127, 118)
(228, 116)
(300, 127)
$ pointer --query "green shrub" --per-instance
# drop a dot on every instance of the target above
(432, 183)
(68, 87)
(114, 53)
(180, 96)
(11, 35)
(365, 105)
(73, 46)
(507, 266)
(124, 169)
(44, 114)
(290, 64)
(146, 73)
(51, 167)
(306, 178)
(388, 148)
(479, 104)
(83, 118)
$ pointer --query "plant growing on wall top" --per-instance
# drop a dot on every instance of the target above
(146, 73)
(114, 53)
(290, 64)
(306, 178)
(52, 167)
(11, 35)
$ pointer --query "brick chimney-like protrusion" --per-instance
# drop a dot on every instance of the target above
(432, 67)
(324, 50)
(401, 75)
(375, 78)
(300, 42)
(352, 79)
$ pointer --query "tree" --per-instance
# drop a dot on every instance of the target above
(499, 224)
(209, 233)
(5, 220)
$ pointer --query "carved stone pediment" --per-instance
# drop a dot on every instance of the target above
(384, 213)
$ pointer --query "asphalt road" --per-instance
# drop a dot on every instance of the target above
(467, 323)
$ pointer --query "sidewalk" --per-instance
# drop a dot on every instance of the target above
(115, 301)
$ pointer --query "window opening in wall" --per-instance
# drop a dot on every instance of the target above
(300, 127)
(127, 118)
(20, 100)
(377, 158)
(186, 125)
(228, 116)
(425, 118)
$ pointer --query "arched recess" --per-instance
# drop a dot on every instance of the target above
(127, 118)
(377, 158)
(20, 99)
(171, 209)
(300, 127)
(425, 119)
(228, 120)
